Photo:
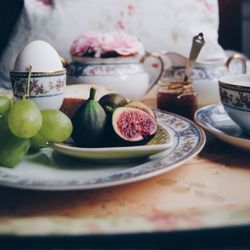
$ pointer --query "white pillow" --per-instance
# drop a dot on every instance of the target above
(162, 25)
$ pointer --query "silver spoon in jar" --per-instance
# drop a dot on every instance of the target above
(197, 44)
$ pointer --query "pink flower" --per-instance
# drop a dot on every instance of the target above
(98, 44)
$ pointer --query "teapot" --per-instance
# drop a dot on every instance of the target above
(205, 74)
(124, 74)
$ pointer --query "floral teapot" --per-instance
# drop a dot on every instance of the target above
(205, 74)
(126, 75)
(113, 60)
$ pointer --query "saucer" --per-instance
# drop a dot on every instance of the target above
(214, 119)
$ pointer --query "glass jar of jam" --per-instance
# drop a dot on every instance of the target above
(177, 97)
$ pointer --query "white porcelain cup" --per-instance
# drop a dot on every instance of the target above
(46, 89)
(235, 97)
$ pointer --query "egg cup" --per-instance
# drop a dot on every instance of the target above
(46, 89)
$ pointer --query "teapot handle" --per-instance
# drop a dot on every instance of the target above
(64, 62)
(158, 57)
(240, 58)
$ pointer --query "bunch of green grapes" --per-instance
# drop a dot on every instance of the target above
(23, 125)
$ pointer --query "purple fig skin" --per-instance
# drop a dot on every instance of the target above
(89, 123)
(111, 101)
(133, 126)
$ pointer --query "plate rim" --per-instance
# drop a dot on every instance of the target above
(64, 187)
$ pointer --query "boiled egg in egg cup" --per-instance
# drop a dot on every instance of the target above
(39, 74)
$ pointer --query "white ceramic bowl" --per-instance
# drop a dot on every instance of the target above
(46, 88)
(235, 97)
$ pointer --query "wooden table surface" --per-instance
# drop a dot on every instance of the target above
(210, 190)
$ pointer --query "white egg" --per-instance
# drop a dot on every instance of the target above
(40, 55)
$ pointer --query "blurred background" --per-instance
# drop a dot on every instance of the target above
(234, 28)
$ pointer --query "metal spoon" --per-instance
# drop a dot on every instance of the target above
(197, 44)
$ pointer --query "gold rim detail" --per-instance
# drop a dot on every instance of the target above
(47, 73)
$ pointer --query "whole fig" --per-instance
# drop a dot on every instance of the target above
(89, 123)
(111, 101)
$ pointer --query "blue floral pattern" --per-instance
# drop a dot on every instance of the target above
(198, 72)
(77, 69)
(235, 96)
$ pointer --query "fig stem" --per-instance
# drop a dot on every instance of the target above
(110, 109)
(92, 94)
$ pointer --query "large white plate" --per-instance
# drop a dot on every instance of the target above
(214, 119)
(160, 142)
(50, 170)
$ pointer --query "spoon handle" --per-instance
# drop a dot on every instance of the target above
(197, 44)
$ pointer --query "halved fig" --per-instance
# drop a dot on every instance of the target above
(142, 106)
(133, 126)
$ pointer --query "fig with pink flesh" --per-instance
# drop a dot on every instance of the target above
(142, 106)
(133, 126)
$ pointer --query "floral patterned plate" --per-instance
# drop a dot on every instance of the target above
(160, 142)
(50, 170)
(214, 119)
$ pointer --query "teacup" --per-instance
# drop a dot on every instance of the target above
(46, 89)
(205, 74)
(235, 97)
(125, 75)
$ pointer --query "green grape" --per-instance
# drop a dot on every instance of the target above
(5, 104)
(57, 127)
(38, 141)
(25, 119)
(3, 125)
(12, 149)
